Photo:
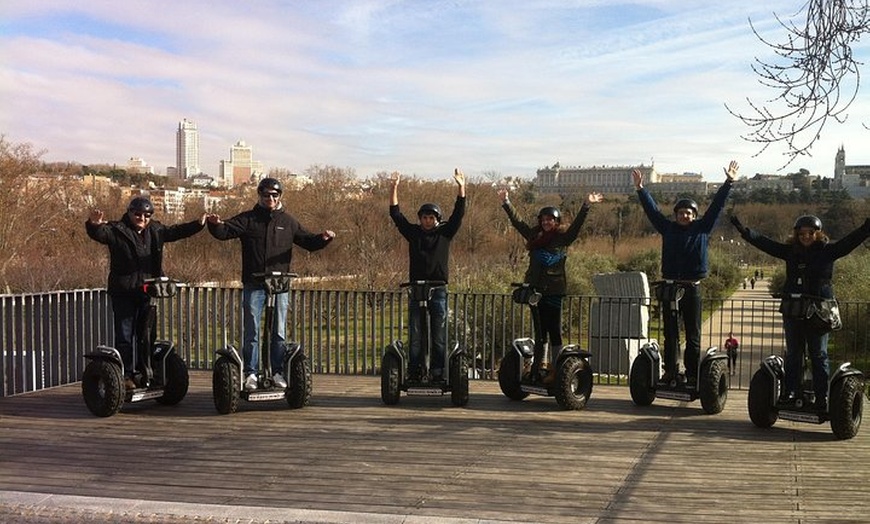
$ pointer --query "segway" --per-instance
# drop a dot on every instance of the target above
(228, 376)
(395, 373)
(161, 374)
(845, 397)
(645, 379)
(521, 374)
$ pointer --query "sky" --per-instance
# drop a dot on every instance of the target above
(496, 88)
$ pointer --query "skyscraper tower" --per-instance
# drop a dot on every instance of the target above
(187, 150)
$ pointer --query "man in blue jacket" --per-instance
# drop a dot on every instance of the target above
(267, 234)
(684, 261)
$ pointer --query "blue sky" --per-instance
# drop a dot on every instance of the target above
(494, 87)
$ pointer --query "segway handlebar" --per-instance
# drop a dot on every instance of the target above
(668, 281)
(798, 295)
(276, 282)
(423, 283)
(161, 287)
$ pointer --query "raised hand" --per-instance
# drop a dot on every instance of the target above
(96, 217)
(731, 170)
(637, 178)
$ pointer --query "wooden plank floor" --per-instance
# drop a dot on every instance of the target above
(352, 459)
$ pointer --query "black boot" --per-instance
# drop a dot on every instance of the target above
(536, 364)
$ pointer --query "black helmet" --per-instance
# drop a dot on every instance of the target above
(810, 221)
(140, 204)
(686, 203)
(269, 184)
(430, 209)
(550, 211)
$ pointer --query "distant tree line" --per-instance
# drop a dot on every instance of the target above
(43, 245)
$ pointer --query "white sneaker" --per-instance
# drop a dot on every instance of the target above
(251, 382)
(279, 381)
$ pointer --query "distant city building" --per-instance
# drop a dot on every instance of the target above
(187, 150)
(854, 179)
(601, 179)
(617, 180)
(241, 168)
(138, 165)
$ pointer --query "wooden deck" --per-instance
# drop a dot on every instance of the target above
(349, 458)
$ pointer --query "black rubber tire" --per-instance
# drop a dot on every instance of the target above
(103, 388)
(713, 386)
(225, 386)
(762, 412)
(177, 381)
(299, 386)
(508, 376)
(573, 383)
(459, 380)
(639, 382)
(847, 406)
(390, 392)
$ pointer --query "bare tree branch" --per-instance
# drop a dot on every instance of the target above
(815, 76)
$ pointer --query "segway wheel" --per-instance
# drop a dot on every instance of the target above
(177, 381)
(573, 383)
(762, 413)
(640, 382)
(847, 406)
(225, 386)
(390, 392)
(103, 388)
(713, 386)
(459, 380)
(509, 376)
(299, 383)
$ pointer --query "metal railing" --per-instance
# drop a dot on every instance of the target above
(44, 336)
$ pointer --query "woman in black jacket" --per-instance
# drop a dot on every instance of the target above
(809, 266)
(547, 242)
(135, 245)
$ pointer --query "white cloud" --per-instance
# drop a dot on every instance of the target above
(409, 85)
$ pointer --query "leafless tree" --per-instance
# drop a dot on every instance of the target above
(815, 75)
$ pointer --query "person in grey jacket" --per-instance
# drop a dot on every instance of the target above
(547, 243)
(267, 234)
(135, 245)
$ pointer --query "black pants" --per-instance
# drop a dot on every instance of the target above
(548, 325)
(689, 309)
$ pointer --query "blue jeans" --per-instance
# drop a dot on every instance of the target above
(799, 337)
(690, 311)
(253, 304)
(438, 325)
(130, 313)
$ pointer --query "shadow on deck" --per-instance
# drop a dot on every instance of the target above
(349, 458)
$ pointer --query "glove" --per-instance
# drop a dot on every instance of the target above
(737, 224)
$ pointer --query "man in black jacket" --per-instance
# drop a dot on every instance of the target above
(135, 253)
(267, 235)
(428, 254)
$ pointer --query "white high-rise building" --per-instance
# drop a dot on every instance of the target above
(187, 150)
